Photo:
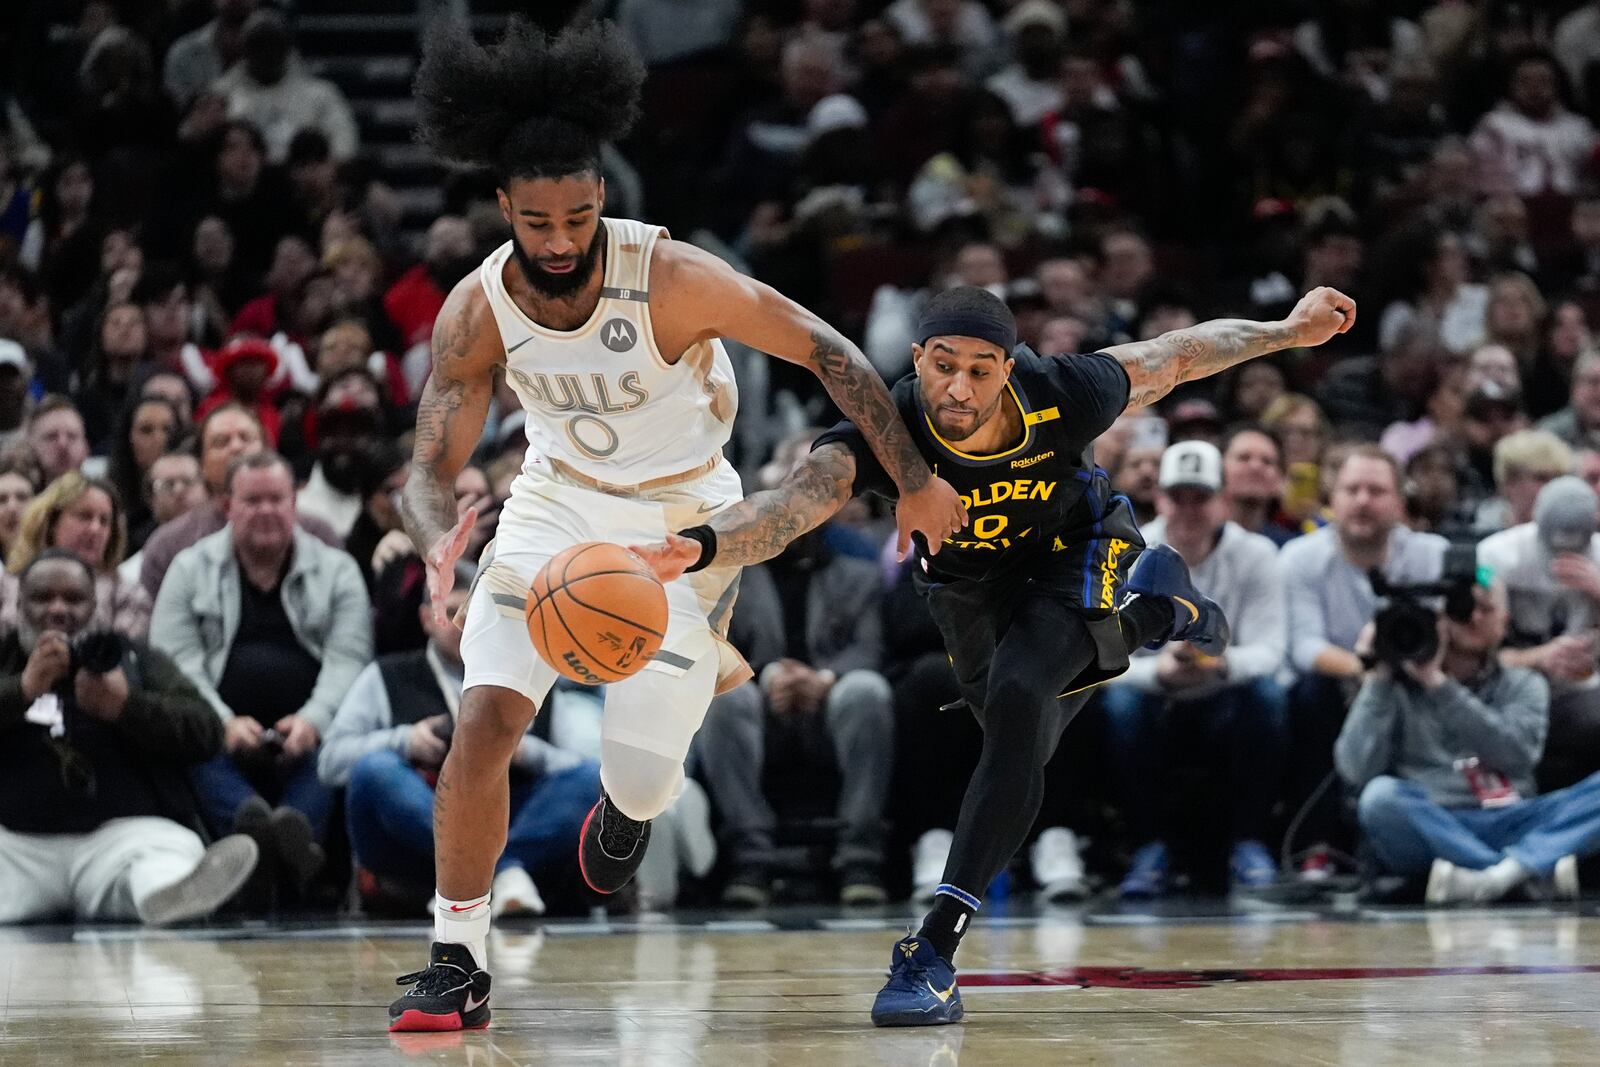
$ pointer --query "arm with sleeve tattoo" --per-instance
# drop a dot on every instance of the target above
(761, 526)
(1156, 366)
(450, 417)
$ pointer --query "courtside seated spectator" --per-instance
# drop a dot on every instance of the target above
(273, 626)
(386, 746)
(97, 820)
(83, 516)
(1443, 753)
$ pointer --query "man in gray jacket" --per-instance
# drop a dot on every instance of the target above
(272, 626)
(1443, 753)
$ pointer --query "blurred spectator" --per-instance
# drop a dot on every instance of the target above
(98, 821)
(1551, 570)
(1330, 600)
(665, 31)
(220, 287)
(56, 438)
(170, 325)
(1576, 266)
(243, 368)
(1126, 267)
(1444, 760)
(147, 430)
(1231, 705)
(1586, 463)
(122, 343)
(85, 517)
(272, 625)
(1576, 44)
(1435, 290)
(226, 433)
(358, 287)
(1499, 241)
(1298, 423)
(1524, 462)
(174, 389)
(123, 117)
(172, 487)
(1444, 408)
(270, 88)
(25, 319)
(1578, 424)
(962, 25)
(386, 745)
(1195, 419)
(199, 57)
(349, 423)
(1136, 476)
(1513, 318)
(1566, 337)
(1433, 498)
(1530, 144)
(17, 490)
(62, 242)
(820, 708)
(1030, 84)
(253, 200)
(347, 344)
(1363, 395)
(16, 380)
(413, 301)
(1496, 363)
(384, 469)
(1253, 483)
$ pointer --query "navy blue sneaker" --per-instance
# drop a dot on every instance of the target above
(921, 990)
(1147, 874)
(1161, 572)
(1251, 865)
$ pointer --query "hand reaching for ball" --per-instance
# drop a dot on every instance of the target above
(670, 558)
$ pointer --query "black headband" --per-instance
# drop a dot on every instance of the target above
(991, 328)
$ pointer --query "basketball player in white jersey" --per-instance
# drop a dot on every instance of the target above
(608, 331)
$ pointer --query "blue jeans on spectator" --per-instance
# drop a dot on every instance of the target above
(1408, 831)
(1247, 723)
(389, 809)
(223, 785)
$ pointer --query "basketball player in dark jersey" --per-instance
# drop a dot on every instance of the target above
(1045, 592)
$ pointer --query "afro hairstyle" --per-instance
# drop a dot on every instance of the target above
(531, 105)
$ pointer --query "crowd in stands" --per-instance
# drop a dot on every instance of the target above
(214, 325)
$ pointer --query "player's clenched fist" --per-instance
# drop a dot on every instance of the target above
(1320, 314)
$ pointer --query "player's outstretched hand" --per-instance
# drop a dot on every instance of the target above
(1320, 314)
(441, 563)
(935, 511)
(669, 558)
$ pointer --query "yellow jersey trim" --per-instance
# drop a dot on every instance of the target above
(1028, 419)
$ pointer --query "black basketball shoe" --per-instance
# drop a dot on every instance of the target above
(452, 994)
(611, 847)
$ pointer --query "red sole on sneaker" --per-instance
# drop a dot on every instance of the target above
(413, 1021)
(582, 834)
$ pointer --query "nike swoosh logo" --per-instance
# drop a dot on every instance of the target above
(946, 995)
(1192, 609)
(706, 509)
(473, 1006)
(519, 344)
(469, 907)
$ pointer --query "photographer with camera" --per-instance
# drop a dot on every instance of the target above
(1330, 597)
(273, 626)
(386, 745)
(1442, 740)
(1551, 569)
(97, 733)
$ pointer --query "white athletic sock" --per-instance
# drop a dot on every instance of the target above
(464, 922)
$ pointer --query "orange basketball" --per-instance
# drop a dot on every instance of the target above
(596, 613)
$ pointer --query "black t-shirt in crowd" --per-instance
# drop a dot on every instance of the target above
(268, 674)
(1043, 494)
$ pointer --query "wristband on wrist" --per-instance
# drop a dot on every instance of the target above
(707, 538)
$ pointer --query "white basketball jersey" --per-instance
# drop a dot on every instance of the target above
(602, 398)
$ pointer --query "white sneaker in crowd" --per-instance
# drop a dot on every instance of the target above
(1058, 865)
(928, 857)
(513, 893)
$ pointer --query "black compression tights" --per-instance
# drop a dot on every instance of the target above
(1046, 646)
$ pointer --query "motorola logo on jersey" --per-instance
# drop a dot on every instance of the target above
(619, 335)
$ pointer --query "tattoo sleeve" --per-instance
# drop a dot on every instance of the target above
(855, 386)
(1156, 366)
(759, 527)
(450, 418)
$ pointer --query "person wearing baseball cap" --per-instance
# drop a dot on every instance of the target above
(1176, 693)
(1551, 571)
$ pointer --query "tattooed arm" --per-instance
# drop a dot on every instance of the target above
(450, 416)
(695, 296)
(761, 526)
(1156, 366)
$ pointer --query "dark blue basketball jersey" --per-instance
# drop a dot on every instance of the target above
(1041, 496)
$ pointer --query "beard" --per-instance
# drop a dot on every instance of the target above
(556, 286)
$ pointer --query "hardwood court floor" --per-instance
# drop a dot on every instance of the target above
(1518, 986)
